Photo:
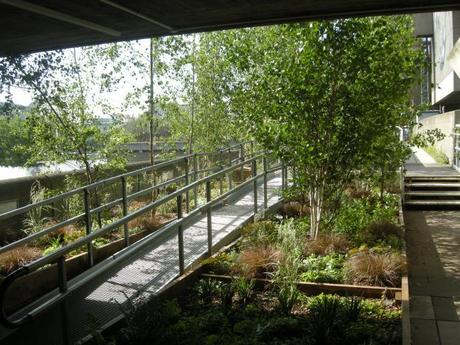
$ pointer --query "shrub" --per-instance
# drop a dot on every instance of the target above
(256, 260)
(244, 288)
(357, 214)
(285, 283)
(381, 230)
(323, 269)
(371, 268)
(324, 316)
(326, 244)
(13, 259)
(207, 289)
(259, 233)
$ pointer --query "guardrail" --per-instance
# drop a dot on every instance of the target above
(456, 160)
(176, 226)
(194, 166)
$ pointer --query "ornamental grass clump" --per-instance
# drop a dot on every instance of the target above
(13, 259)
(326, 244)
(257, 260)
(371, 268)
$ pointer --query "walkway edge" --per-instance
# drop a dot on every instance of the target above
(405, 297)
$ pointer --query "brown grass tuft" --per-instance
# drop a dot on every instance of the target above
(295, 209)
(380, 269)
(326, 244)
(355, 192)
(16, 258)
(255, 261)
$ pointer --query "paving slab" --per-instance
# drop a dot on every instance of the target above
(433, 256)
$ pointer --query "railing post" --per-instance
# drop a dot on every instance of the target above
(187, 193)
(264, 160)
(254, 174)
(230, 173)
(241, 161)
(252, 149)
(62, 283)
(195, 177)
(282, 175)
(180, 234)
(88, 226)
(124, 196)
(209, 217)
(221, 167)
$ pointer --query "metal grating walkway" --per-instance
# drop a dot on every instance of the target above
(148, 270)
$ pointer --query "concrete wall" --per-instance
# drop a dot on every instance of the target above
(446, 123)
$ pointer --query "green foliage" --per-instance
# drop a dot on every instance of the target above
(357, 214)
(315, 95)
(36, 218)
(323, 269)
(207, 289)
(438, 156)
(53, 245)
(244, 288)
(13, 135)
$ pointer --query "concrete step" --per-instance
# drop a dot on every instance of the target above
(449, 193)
(433, 177)
(432, 203)
(432, 185)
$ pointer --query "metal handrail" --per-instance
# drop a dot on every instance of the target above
(59, 255)
(85, 189)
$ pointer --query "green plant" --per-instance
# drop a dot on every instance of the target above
(381, 230)
(53, 245)
(285, 283)
(207, 289)
(259, 233)
(439, 156)
(371, 268)
(225, 293)
(244, 288)
(323, 269)
(36, 218)
(324, 311)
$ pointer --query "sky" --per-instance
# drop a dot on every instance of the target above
(116, 98)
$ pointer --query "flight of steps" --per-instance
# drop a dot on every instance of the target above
(432, 192)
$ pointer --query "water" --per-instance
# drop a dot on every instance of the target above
(8, 173)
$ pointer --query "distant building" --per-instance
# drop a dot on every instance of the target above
(440, 88)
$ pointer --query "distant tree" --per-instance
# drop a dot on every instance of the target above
(62, 123)
(13, 136)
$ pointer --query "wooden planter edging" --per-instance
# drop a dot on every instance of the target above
(405, 296)
(310, 288)
(26, 289)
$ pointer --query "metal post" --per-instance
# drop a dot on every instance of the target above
(230, 173)
(125, 209)
(180, 233)
(241, 161)
(282, 175)
(254, 174)
(252, 149)
(187, 193)
(264, 160)
(195, 177)
(221, 179)
(62, 283)
(88, 226)
(209, 217)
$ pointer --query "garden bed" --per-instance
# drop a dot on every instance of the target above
(252, 292)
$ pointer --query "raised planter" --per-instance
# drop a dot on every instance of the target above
(28, 288)
(310, 288)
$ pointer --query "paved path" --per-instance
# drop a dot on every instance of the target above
(148, 270)
(433, 253)
(421, 163)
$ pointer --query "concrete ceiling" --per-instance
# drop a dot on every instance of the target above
(37, 25)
